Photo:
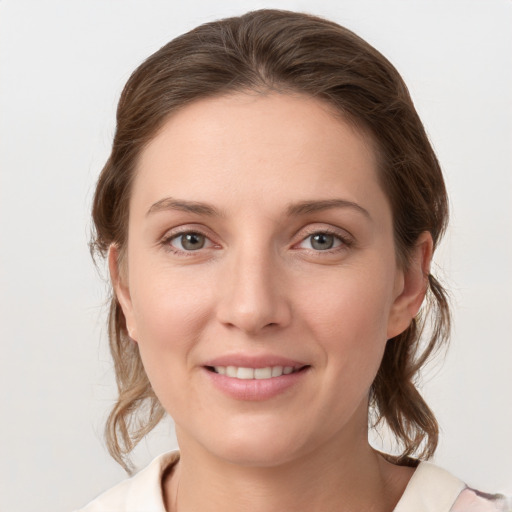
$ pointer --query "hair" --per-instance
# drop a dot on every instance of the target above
(286, 52)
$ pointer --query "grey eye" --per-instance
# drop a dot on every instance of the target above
(189, 241)
(322, 241)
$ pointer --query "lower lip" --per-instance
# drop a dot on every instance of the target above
(255, 389)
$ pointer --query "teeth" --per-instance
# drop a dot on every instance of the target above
(277, 371)
(230, 371)
(245, 373)
(239, 372)
(263, 373)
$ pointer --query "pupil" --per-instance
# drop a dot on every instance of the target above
(192, 241)
(322, 241)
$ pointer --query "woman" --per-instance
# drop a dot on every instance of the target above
(269, 213)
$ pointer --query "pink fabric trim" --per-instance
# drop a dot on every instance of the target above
(470, 501)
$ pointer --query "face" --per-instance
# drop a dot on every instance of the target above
(260, 279)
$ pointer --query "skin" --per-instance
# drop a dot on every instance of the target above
(259, 286)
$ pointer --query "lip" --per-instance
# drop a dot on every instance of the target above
(253, 361)
(254, 389)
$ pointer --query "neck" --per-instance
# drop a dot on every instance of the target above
(333, 478)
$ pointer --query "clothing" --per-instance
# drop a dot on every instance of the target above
(431, 489)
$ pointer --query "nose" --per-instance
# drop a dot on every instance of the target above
(253, 294)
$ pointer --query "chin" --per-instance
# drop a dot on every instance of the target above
(260, 455)
(256, 445)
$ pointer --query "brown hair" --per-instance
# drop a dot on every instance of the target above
(284, 51)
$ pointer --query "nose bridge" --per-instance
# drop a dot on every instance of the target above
(252, 295)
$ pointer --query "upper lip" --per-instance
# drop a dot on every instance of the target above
(246, 361)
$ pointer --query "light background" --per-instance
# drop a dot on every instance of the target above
(62, 67)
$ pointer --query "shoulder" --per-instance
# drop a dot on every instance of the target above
(433, 489)
(141, 492)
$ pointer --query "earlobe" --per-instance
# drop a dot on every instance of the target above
(413, 286)
(119, 281)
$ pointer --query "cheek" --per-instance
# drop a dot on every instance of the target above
(353, 304)
(170, 310)
(348, 317)
(170, 316)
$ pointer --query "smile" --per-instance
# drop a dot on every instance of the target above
(248, 383)
(244, 373)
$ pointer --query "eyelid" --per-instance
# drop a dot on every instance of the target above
(208, 242)
(172, 234)
(346, 239)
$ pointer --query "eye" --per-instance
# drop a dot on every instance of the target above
(189, 241)
(321, 241)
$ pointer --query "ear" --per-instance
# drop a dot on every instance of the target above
(119, 278)
(411, 286)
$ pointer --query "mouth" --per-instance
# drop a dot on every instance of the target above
(246, 373)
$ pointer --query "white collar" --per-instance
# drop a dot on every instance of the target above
(430, 489)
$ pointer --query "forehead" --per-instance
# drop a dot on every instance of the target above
(259, 148)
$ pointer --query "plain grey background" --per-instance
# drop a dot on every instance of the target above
(62, 67)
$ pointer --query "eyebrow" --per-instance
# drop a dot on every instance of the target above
(305, 207)
(293, 210)
(169, 203)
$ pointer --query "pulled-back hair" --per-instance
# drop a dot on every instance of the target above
(271, 50)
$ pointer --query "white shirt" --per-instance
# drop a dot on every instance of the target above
(430, 489)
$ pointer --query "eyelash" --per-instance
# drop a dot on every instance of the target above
(345, 241)
(167, 242)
